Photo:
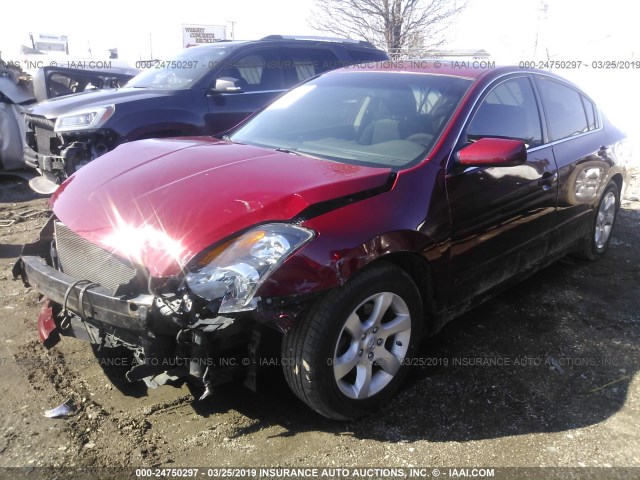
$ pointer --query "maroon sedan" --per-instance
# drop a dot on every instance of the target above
(354, 215)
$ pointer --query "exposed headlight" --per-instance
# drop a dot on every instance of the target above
(236, 269)
(84, 119)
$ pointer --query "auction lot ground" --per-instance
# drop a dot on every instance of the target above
(485, 392)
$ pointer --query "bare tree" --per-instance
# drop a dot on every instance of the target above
(399, 26)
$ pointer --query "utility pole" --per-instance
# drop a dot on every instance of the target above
(541, 11)
(233, 29)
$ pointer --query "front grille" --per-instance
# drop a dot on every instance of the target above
(83, 260)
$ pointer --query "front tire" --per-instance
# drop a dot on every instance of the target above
(347, 355)
(602, 225)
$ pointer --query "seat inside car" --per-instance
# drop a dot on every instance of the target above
(395, 118)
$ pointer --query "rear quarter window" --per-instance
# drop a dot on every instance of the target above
(590, 110)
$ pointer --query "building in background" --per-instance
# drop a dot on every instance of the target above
(44, 42)
(193, 35)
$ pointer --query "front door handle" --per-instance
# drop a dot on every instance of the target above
(548, 178)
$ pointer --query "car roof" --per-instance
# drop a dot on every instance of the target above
(468, 69)
(291, 39)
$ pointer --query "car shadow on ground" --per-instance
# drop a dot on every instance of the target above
(8, 250)
(556, 352)
(14, 189)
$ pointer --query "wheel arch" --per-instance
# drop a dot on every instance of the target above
(321, 269)
(619, 179)
(420, 271)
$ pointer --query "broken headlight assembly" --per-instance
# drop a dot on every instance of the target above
(84, 119)
(235, 270)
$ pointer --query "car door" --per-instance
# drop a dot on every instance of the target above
(260, 75)
(583, 162)
(500, 215)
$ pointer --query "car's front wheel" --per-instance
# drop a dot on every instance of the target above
(348, 354)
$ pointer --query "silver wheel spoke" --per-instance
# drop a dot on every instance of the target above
(608, 218)
(399, 324)
(346, 362)
(354, 326)
(363, 380)
(609, 203)
(599, 241)
(388, 361)
(380, 307)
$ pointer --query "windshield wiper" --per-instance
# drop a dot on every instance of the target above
(285, 150)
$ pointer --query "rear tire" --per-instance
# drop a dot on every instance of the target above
(347, 355)
(604, 218)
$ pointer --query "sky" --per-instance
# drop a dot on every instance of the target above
(585, 30)
(503, 27)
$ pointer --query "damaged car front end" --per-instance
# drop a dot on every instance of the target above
(60, 144)
(144, 261)
(57, 148)
(197, 324)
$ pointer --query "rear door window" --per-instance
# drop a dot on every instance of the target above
(299, 64)
(564, 109)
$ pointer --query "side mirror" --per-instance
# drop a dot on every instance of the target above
(493, 152)
(227, 85)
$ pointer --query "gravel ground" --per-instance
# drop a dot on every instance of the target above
(544, 375)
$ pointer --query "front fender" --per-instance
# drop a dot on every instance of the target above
(153, 123)
(413, 216)
(311, 270)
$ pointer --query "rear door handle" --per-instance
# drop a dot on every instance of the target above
(548, 178)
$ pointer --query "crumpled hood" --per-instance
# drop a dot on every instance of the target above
(162, 201)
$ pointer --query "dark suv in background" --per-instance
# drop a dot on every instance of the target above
(203, 91)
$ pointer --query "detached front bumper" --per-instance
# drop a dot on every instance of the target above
(46, 165)
(39, 160)
(86, 301)
(42, 162)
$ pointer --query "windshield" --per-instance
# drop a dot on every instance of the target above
(183, 70)
(390, 119)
